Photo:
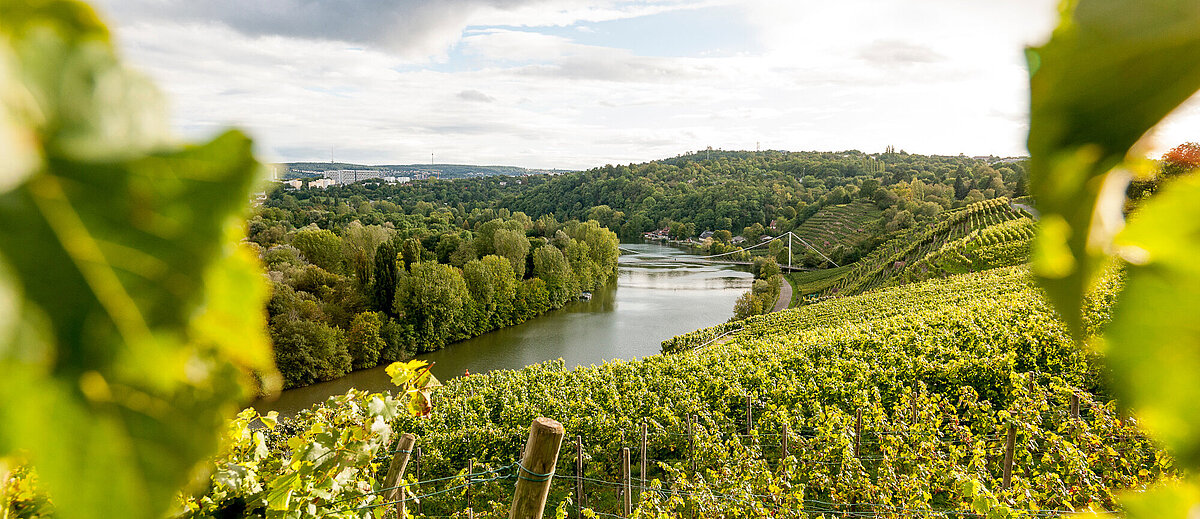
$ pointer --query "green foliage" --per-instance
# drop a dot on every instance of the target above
(1000, 245)
(369, 249)
(363, 342)
(321, 247)
(433, 297)
(1107, 76)
(277, 470)
(308, 351)
(130, 316)
(384, 279)
(513, 246)
(939, 371)
(1110, 72)
(733, 191)
(1153, 341)
(761, 297)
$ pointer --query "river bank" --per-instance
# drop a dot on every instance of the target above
(658, 294)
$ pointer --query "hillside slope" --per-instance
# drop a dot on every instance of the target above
(962, 230)
(845, 225)
(895, 401)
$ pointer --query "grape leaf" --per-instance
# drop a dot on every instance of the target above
(136, 318)
(1153, 341)
(1109, 73)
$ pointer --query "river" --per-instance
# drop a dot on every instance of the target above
(658, 294)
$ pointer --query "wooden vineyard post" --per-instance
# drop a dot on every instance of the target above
(913, 419)
(579, 476)
(395, 474)
(626, 490)
(858, 433)
(692, 442)
(749, 415)
(470, 470)
(642, 469)
(417, 475)
(1075, 406)
(536, 470)
(784, 450)
(1008, 456)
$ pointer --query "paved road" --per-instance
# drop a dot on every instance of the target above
(785, 296)
(1027, 209)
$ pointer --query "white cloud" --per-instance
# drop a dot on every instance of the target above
(929, 76)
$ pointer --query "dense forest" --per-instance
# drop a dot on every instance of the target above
(350, 295)
(746, 193)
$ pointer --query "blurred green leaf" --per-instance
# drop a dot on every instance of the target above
(135, 318)
(1154, 338)
(1170, 501)
(1110, 72)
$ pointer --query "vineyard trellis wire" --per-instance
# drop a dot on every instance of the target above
(814, 506)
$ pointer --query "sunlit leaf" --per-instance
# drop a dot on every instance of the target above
(136, 317)
(1154, 338)
(1172, 501)
(1110, 72)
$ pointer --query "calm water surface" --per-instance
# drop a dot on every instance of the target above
(658, 294)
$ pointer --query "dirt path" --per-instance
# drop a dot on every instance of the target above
(785, 297)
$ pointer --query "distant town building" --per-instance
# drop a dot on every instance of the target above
(322, 183)
(661, 234)
(350, 176)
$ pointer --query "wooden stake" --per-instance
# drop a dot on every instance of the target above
(470, 480)
(1075, 405)
(913, 419)
(858, 433)
(749, 415)
(692, 442)
(1008, 456)
(417, 475)
(626, 490)
(579, 476)
(536, 470)
(784, 453)
(395, 474)
(642, 470)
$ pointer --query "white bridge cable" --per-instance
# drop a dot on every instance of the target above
(777, 238)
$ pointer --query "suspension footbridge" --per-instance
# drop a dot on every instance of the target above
(737, 257)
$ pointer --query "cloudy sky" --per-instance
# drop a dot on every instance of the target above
(581, 83)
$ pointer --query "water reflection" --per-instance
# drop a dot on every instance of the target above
(658, 294)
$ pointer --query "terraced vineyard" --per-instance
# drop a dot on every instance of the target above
(1000, 245)
(845, 225)
(810, 284)
(887, 261)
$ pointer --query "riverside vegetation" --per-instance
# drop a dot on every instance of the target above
(990, 394)
(347, 295)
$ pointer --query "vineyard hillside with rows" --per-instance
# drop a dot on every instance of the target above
(960, 397)
(885, 265)
(846, 225)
